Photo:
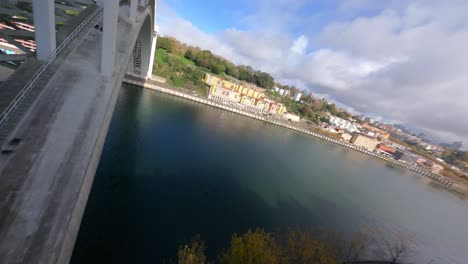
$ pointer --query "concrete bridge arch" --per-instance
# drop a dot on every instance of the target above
(141, 13)
(49, 170)
(140, 62)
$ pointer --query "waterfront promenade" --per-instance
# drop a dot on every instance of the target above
(438, 179)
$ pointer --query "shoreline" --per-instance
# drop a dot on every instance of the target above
(435, 178)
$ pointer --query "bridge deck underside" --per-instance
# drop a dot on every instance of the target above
(44, 182)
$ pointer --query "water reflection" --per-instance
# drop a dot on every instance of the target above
(171, 169)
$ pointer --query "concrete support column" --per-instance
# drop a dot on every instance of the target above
(44, 24)
(149, 74)
(109, 38)
(133, 9)
(154, 40)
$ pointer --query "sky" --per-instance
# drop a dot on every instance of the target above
(400, 61)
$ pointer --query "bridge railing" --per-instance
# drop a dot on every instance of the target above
(52, 58)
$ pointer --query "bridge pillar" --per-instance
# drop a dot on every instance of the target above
(133, 9)
(154, 40)
(44, 24)
(109, 38)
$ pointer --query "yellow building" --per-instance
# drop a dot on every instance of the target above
(364, 141)
(261, 104)
(281, 109)
(276, 108)
(224, 93)
(243, 89)
(221, 88)
(246, 100)
(211, 79)
(240, 92)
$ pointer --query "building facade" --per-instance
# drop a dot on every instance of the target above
(364, 141)
(297, 97)
(344, 124)
(248, 95)
(346, 137)
(292, 117)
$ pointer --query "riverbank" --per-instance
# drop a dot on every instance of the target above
(438, 179)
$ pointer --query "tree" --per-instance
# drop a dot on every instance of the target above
(331, 108)
(189, 54)
(217, 68)
(252, 247)
(264, 80)
(298, 245)
(308, 99)
(393, 248)
(318, 104)
(353, 249)
(193, 254)
(231, 70)
(456, 145)
(166, 43)
(307, 110)
(245, 73)
(294, 91)
(465, 156)
(302, 246)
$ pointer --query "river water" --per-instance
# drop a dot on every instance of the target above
(171, 169)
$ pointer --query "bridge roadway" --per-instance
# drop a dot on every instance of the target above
(46, 180)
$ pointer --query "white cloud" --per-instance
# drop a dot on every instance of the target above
(300, 45)
(407, 61)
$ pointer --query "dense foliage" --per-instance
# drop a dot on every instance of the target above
(216, 64)
(455, 157)
(298, 245)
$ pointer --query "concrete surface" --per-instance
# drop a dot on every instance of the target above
(5, 73)
(72, 23)
(45, 182)
(44, 25)
(18, 79)
(11, 87)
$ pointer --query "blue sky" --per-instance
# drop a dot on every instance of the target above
(212, 16)
(399, 60)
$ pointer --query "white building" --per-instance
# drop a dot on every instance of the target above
(297, 97)
(344, 124)
(436, 168)
(346, 137)
(292, 117)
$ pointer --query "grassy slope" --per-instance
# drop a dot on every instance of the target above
(161, 57)
(174, 68)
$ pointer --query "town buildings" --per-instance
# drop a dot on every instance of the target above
(387, 150)
(346, 137)
(282, 92)
(292, 117)
(364, 141)
(297, 97)
(376, 132)
(344, 124)
(436, 168)
(250, 96)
